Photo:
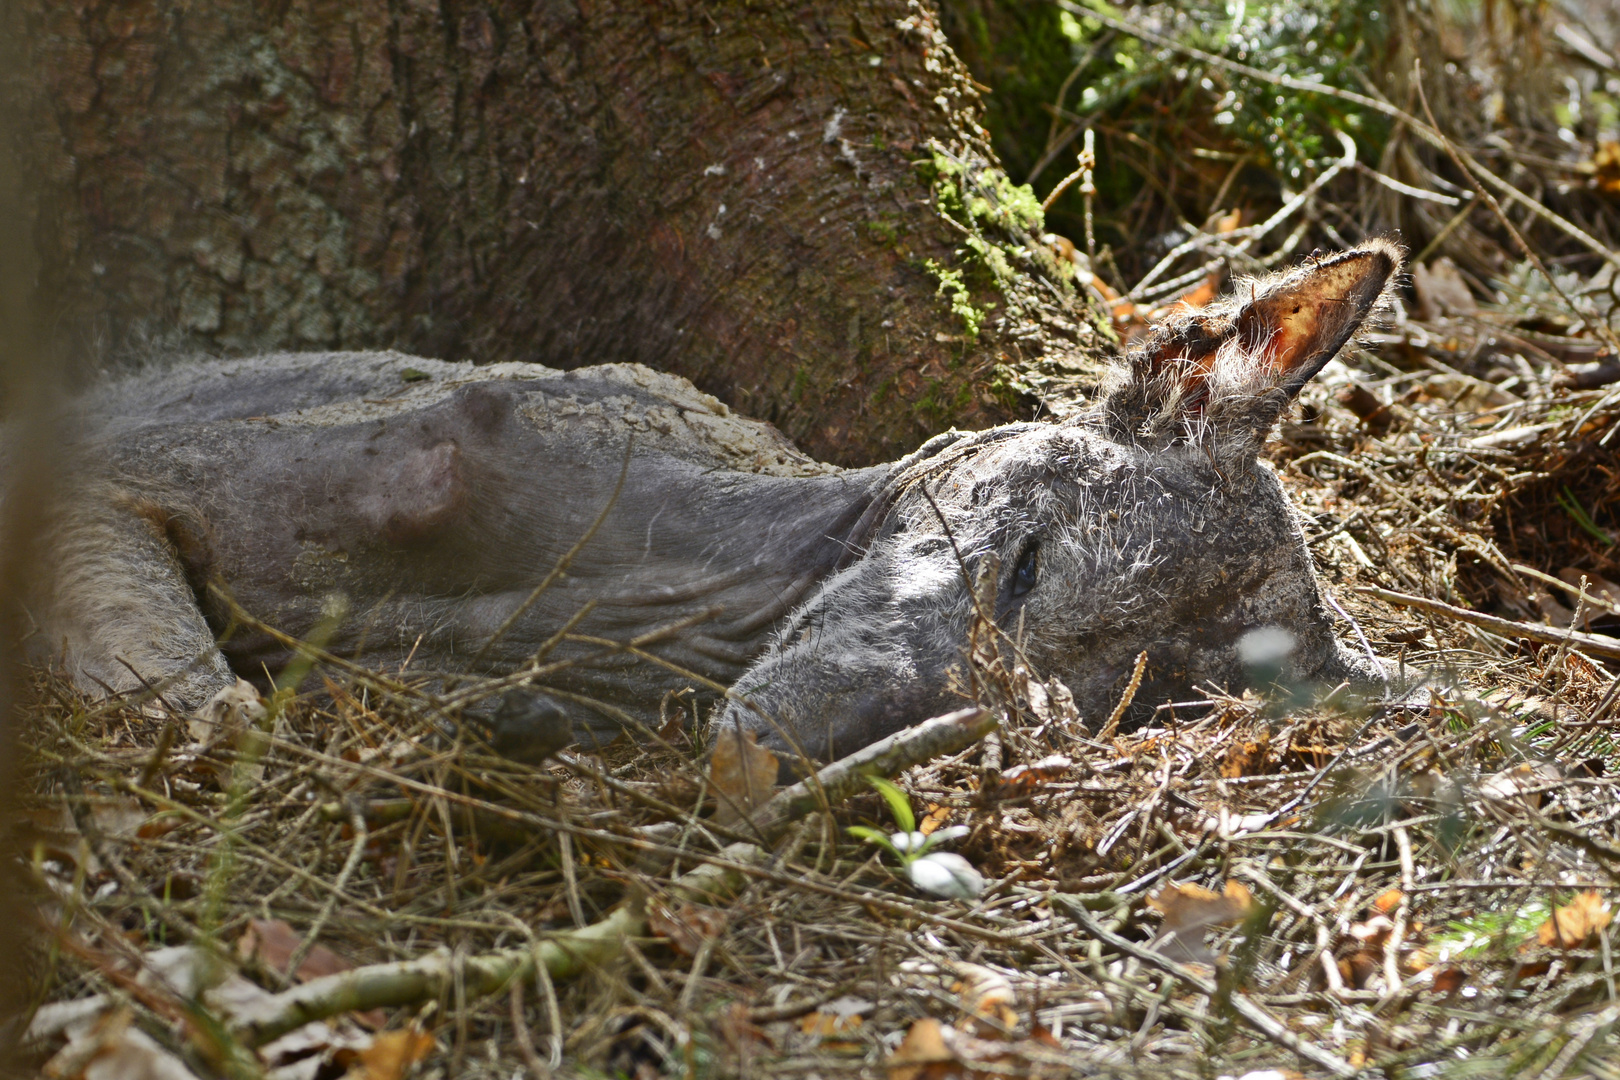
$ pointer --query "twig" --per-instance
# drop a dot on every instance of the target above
(1582, 595)
(565, 955)
(1125, 699)
(1257, 1018)
(357, 822)
(1600, 325)
(1421, 129)
(1596, 644)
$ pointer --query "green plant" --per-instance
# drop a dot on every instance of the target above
(939, 872)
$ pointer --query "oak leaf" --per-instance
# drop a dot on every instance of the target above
(743, 774)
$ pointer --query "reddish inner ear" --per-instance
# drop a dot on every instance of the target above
(1293, 335)
(1296, 330)
(1288, 330)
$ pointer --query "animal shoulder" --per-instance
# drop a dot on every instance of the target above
(607, 405)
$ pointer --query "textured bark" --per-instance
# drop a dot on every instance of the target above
(730, 191)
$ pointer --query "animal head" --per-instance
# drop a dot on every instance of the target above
(1150, 524)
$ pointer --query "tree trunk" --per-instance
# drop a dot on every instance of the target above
(794, 205)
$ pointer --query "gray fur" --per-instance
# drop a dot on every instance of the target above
(435, 496)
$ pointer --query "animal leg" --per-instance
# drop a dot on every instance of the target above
(118, 609)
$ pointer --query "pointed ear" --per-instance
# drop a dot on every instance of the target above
(1295, 327)
(1273, 334)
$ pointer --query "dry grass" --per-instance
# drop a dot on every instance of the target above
(1390, 873)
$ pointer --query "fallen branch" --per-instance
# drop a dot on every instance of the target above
(385, 985)
(930, 739)
(566, 955)
(1596, 644)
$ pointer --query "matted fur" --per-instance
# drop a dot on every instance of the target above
(434, 497)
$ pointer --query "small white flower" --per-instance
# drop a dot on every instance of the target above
(943, 873)
(907, 842)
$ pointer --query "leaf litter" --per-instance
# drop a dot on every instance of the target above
(1259, 885)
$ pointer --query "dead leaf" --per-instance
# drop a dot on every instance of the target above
(1246, 757)
(836, 1021)
(1387, 901)
(113, 1049)
(739, 1031)
(921, 1052)
(1606, 168)
(1441, 290)
(687, 927)
(1190, 910)
(935, 817)
(743, 774)
(1448, 979)
(1198, 297)
(230, 712)
(390, 1055)
(274, 942)
(988, 1001)
(1528, 781)
(932, 1051)
(1577, 924)
(1034, 774)
(1373, 413)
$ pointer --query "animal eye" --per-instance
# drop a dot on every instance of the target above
(1027, 571)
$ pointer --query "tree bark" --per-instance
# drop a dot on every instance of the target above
(794, 205)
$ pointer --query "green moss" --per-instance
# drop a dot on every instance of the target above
(1007, 388)
(884, 230)
(984, 196)
(939, 403)
(999, 220)
(956, 293)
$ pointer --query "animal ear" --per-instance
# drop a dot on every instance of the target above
(1273, 334)
(1293, 329)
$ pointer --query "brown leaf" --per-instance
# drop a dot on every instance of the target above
(743, 774)
(935, 817)
(1527, 781)
(112, 1047)
(274, 943)
(1448, 979)
(1577, 924)
(932, 1051)
(686, 927)
(1190, 910)
(988, 1000)
(1596, 585)
(835, 1022)
(1035, 774)
(1387, 901)
(1606, 168)
(1246, 757)
(922, 1053)
(739, 1031)
(390, 1055)
(1441, 290)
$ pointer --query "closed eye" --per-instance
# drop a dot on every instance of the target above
(1027, 571)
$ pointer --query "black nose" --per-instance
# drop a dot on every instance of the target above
(529, 727)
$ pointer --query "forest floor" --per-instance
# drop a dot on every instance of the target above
(1259, 883)
(1300, 882)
